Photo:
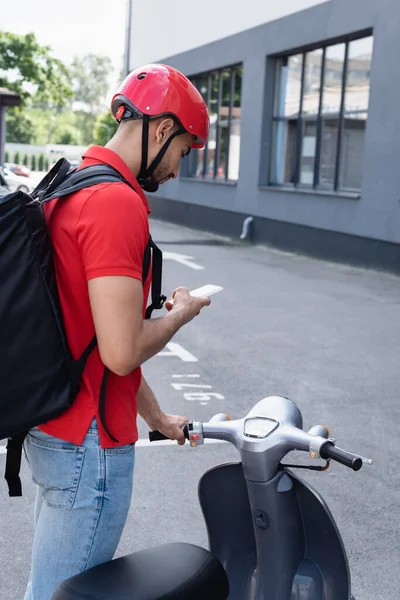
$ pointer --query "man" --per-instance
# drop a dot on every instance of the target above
(99, 234)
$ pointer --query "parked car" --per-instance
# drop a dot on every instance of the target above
(4, 189)
(16, 182)
(18, 169)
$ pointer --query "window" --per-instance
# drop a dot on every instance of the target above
(320, 115)
(219, 160)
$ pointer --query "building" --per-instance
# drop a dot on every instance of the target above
(305, 120)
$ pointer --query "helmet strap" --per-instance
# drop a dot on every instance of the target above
(145, 146)
(145, 172)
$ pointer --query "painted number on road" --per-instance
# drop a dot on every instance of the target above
(203, 393)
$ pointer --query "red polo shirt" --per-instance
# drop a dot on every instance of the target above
(101, 230)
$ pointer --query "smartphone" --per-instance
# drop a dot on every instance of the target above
(205, 291)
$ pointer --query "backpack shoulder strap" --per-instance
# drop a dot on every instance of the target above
(53, 178)
(157, 298)
(13, 464)
(83, 178)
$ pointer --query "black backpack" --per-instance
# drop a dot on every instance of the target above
(39, 379)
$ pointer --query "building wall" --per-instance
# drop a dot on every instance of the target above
(321, 220)
(163, 28)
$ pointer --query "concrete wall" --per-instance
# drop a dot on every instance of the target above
(165, 27)
(376, 213)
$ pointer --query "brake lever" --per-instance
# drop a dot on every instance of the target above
(324, 467)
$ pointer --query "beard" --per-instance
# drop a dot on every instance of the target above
(160, 175)
(149, 185)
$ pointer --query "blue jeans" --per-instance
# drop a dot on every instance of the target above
(83, 497)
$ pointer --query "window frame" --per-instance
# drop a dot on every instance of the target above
(208, 75)
(301, 119)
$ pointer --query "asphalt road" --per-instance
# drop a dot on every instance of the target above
(325, 335)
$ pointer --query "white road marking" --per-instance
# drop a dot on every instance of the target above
(143, 443)
(182, 386)
(183, 260)
(203, 396)
(193, 376)
(174, 349)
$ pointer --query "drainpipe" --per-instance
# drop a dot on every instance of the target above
(247, 228)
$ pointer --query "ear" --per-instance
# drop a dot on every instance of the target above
(164, 129)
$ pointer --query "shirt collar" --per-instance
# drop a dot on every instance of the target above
(100, 154)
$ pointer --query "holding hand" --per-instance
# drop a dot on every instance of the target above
(171, 426)
(188, 306)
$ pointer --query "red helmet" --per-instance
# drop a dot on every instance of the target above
(156, 90)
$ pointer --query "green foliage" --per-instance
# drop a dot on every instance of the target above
(28, 68)
(33, 162)
(48, 89)
(41, 162)
(46, 164)
(7, 155)
(67, 136)
(85, 123)
(16, 157)
(104, 128)
(90, 81)
(19, 127)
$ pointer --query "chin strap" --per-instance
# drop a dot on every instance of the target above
(145, 172)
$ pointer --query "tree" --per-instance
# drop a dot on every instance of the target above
(33, 162)
(7, 156)
(67, 136)
(104, 128)
(25, 160)
(16, 157)
(89, 77)
(20, 129)
(41, 162)
(28, 68)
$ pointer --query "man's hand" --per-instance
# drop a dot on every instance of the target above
(171, 426)
(187, 306)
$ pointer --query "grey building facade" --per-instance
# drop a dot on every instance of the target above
(305, 134)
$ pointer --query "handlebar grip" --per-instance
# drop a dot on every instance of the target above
(156, 436)
(329, 450)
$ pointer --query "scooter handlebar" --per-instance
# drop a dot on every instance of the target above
(197, 432)
(329, 450)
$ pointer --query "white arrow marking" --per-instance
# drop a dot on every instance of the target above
(174, 349)
(183, 260)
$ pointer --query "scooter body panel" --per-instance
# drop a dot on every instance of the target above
(276, 540)
(324, 543)
(224, 501)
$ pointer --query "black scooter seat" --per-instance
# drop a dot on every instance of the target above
(169, 572)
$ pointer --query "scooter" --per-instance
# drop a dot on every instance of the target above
(271, 535)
